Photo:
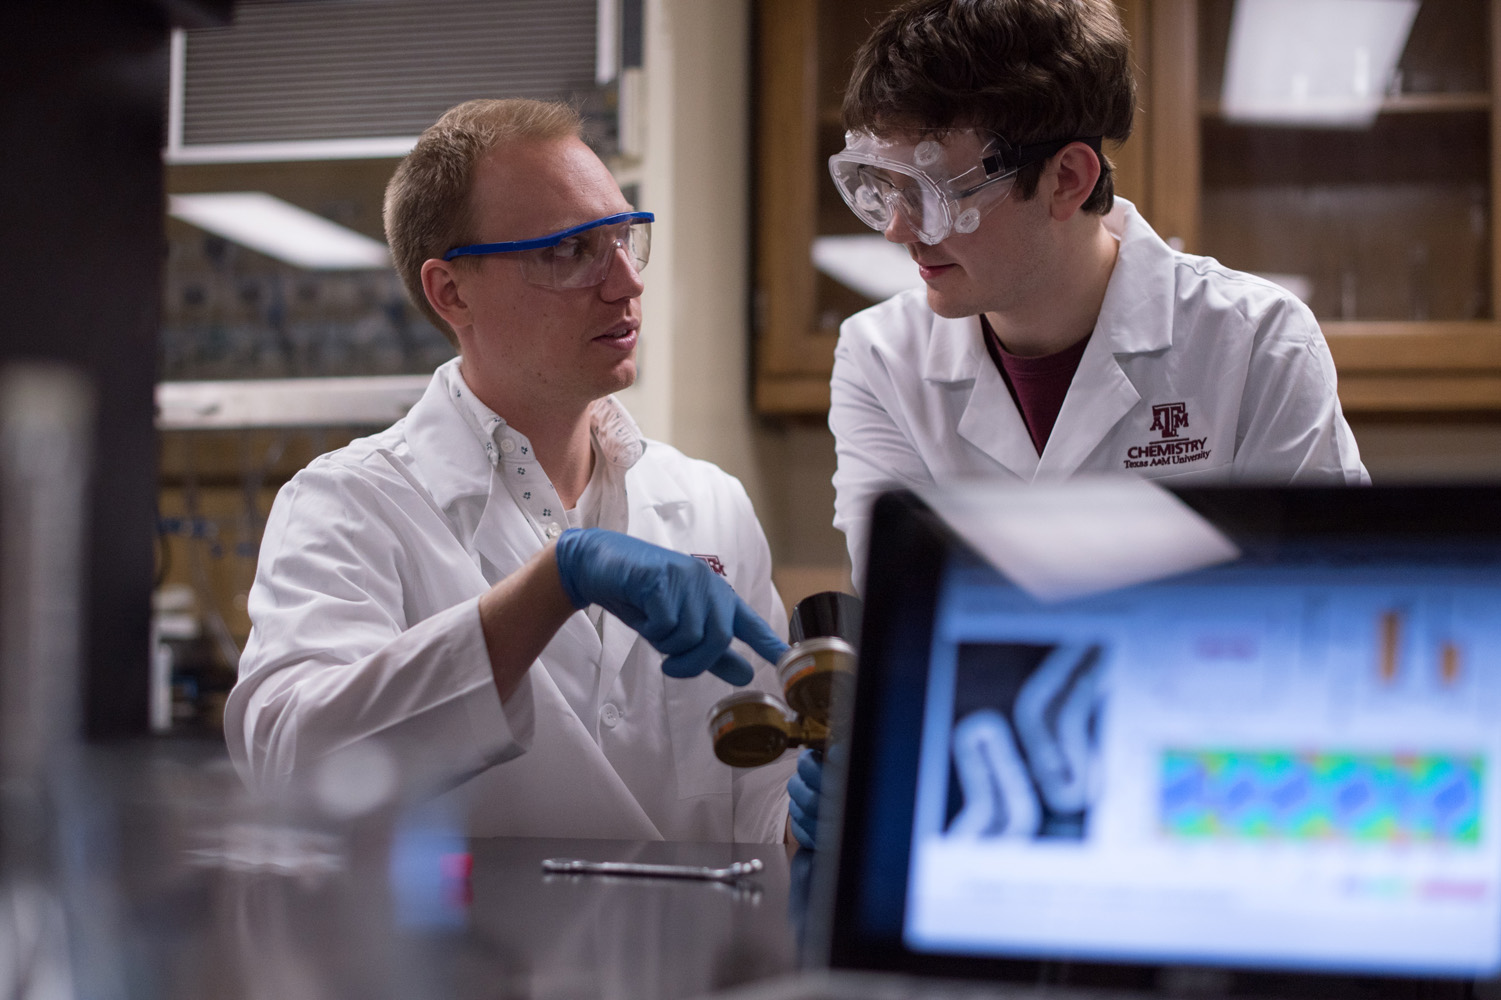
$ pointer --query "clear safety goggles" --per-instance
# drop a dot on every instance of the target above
(938, 187)
(577, 257)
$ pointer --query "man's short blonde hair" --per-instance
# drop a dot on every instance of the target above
(427, 210)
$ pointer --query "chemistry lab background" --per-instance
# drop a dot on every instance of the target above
(1349, 157)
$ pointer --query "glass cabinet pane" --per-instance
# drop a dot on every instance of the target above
(1345, 152)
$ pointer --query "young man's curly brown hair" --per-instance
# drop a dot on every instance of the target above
(1028, 70)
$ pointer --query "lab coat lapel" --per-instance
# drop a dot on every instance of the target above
(503, 542)
(618, 640)
(569, 787)
(1098, 398)
(662, 514)
(990, 421)
(648, 515)
(592, 801)
(1136, 317)
(504, 539)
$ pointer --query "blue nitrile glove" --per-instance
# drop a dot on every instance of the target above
(804, 789)
(676, 602)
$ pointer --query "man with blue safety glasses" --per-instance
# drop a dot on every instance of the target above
(576, 257)
(510, 595)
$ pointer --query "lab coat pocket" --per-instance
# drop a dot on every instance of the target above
(697, 770)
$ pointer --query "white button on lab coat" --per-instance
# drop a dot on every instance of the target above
(366, 631)
(1194, 374)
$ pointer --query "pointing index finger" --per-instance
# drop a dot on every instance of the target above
(751, 628)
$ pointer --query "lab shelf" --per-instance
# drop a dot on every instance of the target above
(374, 401)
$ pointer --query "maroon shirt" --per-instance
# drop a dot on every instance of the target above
(1037, 385)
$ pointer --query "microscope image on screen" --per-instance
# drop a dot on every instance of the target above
(1025, 747)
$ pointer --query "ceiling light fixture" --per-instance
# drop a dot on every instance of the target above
(281, 230)
(1313, 62)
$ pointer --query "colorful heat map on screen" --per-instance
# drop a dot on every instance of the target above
(1375, 798)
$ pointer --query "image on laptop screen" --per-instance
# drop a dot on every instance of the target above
(1285, 758)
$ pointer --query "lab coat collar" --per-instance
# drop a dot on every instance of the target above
(655, 494)
(437, 424)
(956, 349)
(443, 418)
(1135, 317)
(442, 432)
(439, 435)
(1137, 314)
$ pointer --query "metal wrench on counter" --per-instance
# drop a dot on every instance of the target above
(733, 873)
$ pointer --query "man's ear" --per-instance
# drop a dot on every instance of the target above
(1075, 169)
(440, 283)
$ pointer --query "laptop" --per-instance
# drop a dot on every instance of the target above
(1112, 739)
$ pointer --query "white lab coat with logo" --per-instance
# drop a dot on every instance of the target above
(367, 633)
(1195, 373)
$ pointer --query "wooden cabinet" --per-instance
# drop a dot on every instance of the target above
(1391, 225)
(1387, 228)
(803, 46)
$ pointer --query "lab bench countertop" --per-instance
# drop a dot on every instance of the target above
(172, 886)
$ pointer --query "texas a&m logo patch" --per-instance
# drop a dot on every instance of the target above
(1166, 441)
(715, 563)
(1168, 417)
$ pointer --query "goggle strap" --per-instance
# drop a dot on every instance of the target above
(1000, 162)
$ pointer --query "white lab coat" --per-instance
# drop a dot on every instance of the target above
(1195, 374)
(367, 634)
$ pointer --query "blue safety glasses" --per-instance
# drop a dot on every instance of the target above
(577, 257)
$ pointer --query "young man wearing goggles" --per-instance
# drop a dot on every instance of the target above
(1055, 333)
(422, 594)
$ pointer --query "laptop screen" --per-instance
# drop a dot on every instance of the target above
(1276, 750)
